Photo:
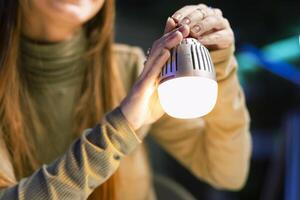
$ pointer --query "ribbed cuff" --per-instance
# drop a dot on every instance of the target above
(124, 137)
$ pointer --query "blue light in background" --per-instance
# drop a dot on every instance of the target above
(273, 57)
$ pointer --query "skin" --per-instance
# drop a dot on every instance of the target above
(58, 20)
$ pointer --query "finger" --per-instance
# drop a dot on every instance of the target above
(170, 25)
(168, 41)
(220, 39)
(217, 12)
(161, 52)
(196, 16)
(181, 13)
(208, 24)
(205, 12)
(184, 30)
(155, 67)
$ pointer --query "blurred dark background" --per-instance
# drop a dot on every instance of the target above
(267, 48)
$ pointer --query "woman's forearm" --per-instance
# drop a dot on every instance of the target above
(89, 162)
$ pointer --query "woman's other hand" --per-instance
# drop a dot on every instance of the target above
(207, 25)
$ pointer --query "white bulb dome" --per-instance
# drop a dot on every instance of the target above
(188, 97)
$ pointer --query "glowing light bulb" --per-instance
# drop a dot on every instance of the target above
(188, 88)
(188, 97)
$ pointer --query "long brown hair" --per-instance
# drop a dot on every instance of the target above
(100, 91)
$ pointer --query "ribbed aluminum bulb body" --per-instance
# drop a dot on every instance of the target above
(187, 83)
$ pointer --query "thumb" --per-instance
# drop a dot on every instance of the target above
(170, 25)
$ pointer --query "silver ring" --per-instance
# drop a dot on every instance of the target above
(201, 11)
(148, 53)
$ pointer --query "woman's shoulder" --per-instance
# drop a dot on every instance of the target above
(128, 54)
(130, 60)
(126, 49)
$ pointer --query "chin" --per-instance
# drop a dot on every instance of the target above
(70, 11)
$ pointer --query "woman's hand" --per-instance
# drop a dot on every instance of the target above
(207, 25)
(141, 106)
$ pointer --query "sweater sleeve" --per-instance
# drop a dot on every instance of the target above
(215, 148)
(88, 163)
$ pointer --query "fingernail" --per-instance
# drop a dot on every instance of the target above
(195, 29)
(184, 29)
(177, 16)
(186, 21)
(181, 28)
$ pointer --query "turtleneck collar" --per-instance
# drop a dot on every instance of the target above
(54, 63)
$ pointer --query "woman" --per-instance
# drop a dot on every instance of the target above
(60, 73)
